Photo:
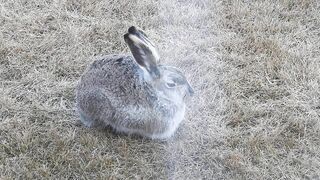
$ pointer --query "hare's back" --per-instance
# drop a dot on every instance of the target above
(117, 75)
(120, 65)
(113, 69)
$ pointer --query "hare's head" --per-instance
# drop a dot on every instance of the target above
(168, 81)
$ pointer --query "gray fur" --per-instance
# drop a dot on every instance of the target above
(115, 91)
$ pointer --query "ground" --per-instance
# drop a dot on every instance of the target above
(254, 65)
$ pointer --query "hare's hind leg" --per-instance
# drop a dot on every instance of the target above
(94, 109)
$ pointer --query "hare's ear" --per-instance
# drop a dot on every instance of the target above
(143, 51)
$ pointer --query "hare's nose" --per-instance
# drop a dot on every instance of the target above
(190, 91)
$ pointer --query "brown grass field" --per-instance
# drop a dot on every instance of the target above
(254, 65)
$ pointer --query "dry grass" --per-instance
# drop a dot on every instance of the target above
(255, 66)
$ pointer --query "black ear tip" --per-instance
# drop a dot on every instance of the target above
(126, 37)
(132, 30)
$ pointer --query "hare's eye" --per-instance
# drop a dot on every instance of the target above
(171, 85)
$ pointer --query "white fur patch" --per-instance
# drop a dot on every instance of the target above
(175, 122)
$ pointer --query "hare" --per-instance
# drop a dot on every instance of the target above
(133, 95)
